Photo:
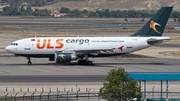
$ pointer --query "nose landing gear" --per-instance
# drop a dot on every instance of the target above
(29, 61)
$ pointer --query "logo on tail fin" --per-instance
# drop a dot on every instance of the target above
(153, 26)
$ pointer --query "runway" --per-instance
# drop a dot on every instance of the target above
(51, 78)
(65, 26)
(15, 69)
(44, 26)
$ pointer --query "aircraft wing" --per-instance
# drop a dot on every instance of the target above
(97, 50)
(92, 51)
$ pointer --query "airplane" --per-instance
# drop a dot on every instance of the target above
(67, 49)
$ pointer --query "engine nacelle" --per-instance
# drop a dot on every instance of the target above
(64, 57)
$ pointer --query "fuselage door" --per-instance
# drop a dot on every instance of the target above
(33, 47)
(27, 45)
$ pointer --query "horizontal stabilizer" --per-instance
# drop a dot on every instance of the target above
(154, 41)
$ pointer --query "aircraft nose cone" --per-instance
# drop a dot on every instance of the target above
(8, 49)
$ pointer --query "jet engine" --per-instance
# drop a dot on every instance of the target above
(61, 57)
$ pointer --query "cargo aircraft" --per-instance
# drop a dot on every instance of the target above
(67, 49)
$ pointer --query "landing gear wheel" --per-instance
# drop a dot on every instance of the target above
(80, 62)
(84, 62)
(29, 63)
(90, 63)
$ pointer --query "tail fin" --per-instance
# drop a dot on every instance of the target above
(155, 26)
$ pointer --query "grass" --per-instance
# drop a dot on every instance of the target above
(175, 40)
(175, 53)
(171, 53)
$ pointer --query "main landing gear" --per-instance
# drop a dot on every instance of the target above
(85, 61)
(29, 61)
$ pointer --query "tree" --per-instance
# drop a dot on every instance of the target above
(43, 12)
(119, 87)
(175, 14)
(64, 10)
(29, 10)
(22, 9)
(75, 13)
(85, 11)
(106, 11)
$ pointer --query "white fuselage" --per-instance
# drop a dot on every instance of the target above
(81, 45)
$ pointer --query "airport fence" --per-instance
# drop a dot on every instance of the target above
(58, 96)
(88, 94)
(79, 96)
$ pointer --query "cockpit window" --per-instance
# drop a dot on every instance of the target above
(14, 44)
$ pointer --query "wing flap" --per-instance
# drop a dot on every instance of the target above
(96, 51)
(89, 51)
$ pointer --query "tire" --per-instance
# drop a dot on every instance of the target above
(80, 62)
(84, 62)
(29, 63)
(90, 63)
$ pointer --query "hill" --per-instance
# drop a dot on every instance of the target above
(112, 4)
